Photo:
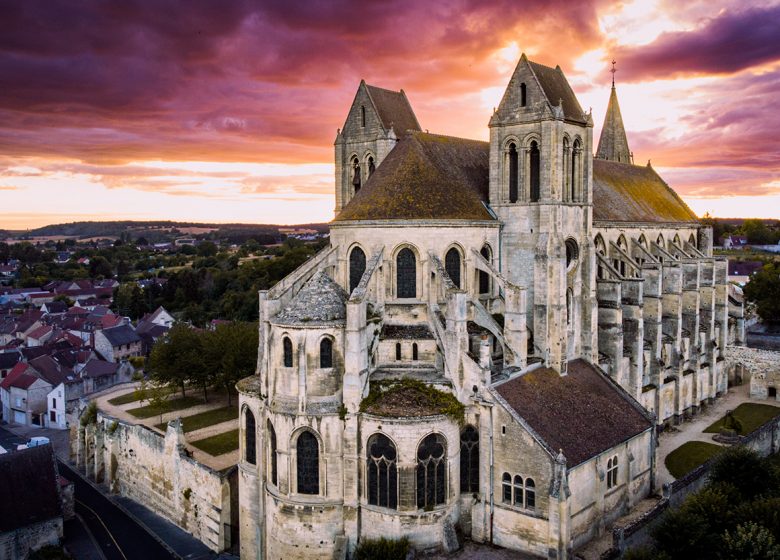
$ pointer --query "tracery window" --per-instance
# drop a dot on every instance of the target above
(326, 353)
(518, 492)
(513, 189)
(484, 277)
(357, 266)
(534, 172)
(308, 463)
(431, 472)
(287, 348)
(250, 437)
(612, 472)
(382, 469)
(406, 273)
(566, 176)
(469, 460)
(272, 453)
(452, 265)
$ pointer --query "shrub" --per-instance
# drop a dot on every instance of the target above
(749, 541)
(89, 416)
(382, 549)
(743, 468)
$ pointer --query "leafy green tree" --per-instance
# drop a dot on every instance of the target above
(750, 542)
(99, 266)
(744, 469)
(177, 357)
(230, 353)
(757, 232)
(207, 249)
(763, 289)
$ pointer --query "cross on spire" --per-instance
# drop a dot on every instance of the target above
(613, 70)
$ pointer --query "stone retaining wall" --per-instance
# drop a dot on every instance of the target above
(763, 367)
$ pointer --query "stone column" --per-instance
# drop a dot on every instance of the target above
(611, 325)
(515, 331)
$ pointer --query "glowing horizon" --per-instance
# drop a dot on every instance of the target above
(228, 113)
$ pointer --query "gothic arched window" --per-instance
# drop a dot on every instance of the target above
(382, 467)
(452, 265)
(518, 490)
(692, 240)
(287, 348)
(506, 488)
(431, 472)
(469, 460)
(371, 165)
(356, 174)
(484, 277)
(512, 173)
(250, 437)
(534, 172)
(530, 493)
(272, 453)
(406, 274)
(660, 240)
(415, 352)
(307, 451)
(397, 350)
(522, 95)
(357, 266)
(575, 162)
(566, 177)
(326, 353)
(612, 472)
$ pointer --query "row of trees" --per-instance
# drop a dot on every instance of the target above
(764, 291)
(213, 358)
(735, 517)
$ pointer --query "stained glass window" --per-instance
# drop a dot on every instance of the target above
(308, 458)
(326, 353)
(452, 265)
(250, 436)
(431, 469)
(406, 274)
(357, 266)
(382, 472)
(469, 460)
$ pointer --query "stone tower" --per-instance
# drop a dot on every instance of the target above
(540, 187)
(375, 120)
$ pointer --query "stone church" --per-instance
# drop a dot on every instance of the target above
(487, 345)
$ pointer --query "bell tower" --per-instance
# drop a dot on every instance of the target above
(376, 119)
(541, 189)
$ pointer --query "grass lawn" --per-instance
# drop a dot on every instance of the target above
(205, 419)
(751, 415)
(168, 406)
(218, 444)
(688, 456)
(132, 396)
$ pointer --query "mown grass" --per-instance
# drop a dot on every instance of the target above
(750, 415)
(688, 456)
(205, 419)
(218, 444)
(132, 396)
(168, 406)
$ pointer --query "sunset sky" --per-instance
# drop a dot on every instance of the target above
(227, 111)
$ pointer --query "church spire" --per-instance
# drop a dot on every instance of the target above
(613, 144)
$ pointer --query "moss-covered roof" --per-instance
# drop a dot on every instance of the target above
(394, 109)
(320, 302)
(426, 176)
(623, 192)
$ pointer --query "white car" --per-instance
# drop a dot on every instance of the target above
(34, 442)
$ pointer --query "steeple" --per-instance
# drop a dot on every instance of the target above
(613, 144)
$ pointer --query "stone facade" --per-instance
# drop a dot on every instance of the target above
(491, 276)
(762, 367)
(156, 471)
(18, 544)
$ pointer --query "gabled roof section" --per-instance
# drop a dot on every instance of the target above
(557, 90)
(29, 492)
(623, 192)
(320, 302)
(123, 334)
(582, 413)
(613, 143)
(393, 108)
(426, 177)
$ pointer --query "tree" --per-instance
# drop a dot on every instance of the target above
(207, 249)
(99, 266)
(750, 542)
(230, 353)
(744, 469)
(763, 289)
(176, 358)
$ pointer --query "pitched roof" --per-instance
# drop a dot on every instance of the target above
(40, 332)
(17, 371)
(29, 492)
(394, 109)
(9, 359)
(557, 89)
(426, 176)
(613, 144)
(321, 301)
(99, 368)
(582, 413)
(50, 371)
(623, 192)
(123, 334)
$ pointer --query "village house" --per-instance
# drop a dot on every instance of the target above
(23, 396)
(118, 343)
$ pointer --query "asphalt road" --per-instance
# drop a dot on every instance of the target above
(9, 441)
(119, 536)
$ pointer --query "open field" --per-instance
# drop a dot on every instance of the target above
(688, 456)
(168, 406)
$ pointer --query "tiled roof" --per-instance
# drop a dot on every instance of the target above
(426, 176)
(99, 368)
(41, 331)
(50, 371)
(29, 492)
(123, 334)
(405, 332)
(320, 302)
(394, 109)
(17, 371)
(556, 87)
(582, 413)
(623, 192)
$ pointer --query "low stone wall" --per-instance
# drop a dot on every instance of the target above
(157, 472)
(764, 440)
(16, 545)
(763, 366)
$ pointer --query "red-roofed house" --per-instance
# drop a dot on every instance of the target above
(39, 336)
(23, 396)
